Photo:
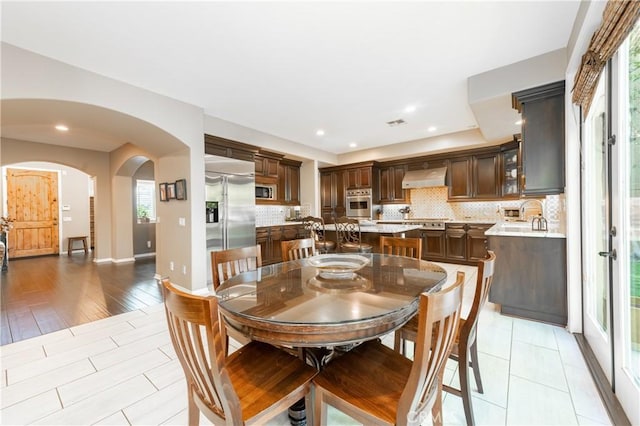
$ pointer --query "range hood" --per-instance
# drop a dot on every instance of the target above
(424, 178)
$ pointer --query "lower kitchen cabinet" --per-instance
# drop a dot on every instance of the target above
(456, 236)
(269, 238)
(530, 278)
(433, 244)
(477, 242)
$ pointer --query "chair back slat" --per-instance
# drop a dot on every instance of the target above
(438, 319)
(297, 249)
(409, 247)
(194, 327)
(483, 286)
(226, 264)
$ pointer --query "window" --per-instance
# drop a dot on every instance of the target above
(145, 200)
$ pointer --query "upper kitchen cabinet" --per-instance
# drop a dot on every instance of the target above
(475, 176)
(510, 158)
(390, 178)
(459, 173)
(289, 182)
(485, 176)
(360, 177)
(543, 142)
(267, 167)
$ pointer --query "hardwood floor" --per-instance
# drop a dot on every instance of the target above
(45, 294)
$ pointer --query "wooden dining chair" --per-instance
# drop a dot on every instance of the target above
(409, 247)
(250, 386)
(376, 385)
(314, 228)
(231, 262)
(350, 236)
(297, 249)
(465, 347)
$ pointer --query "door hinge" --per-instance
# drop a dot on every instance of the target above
(612, 140)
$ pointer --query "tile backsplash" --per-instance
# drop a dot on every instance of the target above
(432, 203)
(429, 203)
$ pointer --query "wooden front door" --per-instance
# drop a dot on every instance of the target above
(32, 199)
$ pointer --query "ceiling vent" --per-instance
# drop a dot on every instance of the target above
(397, 122)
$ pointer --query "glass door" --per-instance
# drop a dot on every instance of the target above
(596, 227)
(626, 212)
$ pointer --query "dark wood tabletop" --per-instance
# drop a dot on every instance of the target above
(292, 303)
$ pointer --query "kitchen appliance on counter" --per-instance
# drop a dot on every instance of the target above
(230, 205)
(359, 203)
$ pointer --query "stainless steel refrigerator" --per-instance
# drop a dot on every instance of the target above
(230, 205)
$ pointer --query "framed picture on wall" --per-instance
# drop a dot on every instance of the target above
(171, 191)
(163, 191)
(181, 189)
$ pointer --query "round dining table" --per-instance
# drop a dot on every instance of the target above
(299, 304)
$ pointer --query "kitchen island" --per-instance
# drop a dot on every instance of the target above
(371, 232)
(530, 279)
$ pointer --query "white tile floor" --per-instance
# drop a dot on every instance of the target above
(122, 370)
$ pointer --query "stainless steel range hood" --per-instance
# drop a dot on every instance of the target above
(424, 178)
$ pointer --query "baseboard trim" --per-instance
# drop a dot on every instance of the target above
(124, 260)
(611, 403)
(144, 255)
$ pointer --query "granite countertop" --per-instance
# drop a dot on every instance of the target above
(288, 222)
(521, 229)
(419, 220)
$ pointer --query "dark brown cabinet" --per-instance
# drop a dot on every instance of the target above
(269, 238)
(456, 242)
(485, 176)
(289, 182)
(266, 167)
(433, 244)
(391, 191)
(459, 173)
(475, 176)
(465, 242)
(360, 177)
(332, 195)
(477, 244)
(543, 141)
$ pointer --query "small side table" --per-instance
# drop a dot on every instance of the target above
(71, 240)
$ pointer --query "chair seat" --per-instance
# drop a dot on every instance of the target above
(356, 248)
(252, 370)
(371, 377)
(325, 245)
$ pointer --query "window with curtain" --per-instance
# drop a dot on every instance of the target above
(145, 200)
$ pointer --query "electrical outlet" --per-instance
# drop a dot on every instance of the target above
(148, 244)
(171, 267)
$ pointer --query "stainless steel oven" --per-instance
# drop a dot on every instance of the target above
(359, 203)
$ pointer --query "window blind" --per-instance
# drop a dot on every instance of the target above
(618, 19)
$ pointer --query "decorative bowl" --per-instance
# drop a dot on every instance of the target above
(337, 266)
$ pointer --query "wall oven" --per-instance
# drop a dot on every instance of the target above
(359, 203)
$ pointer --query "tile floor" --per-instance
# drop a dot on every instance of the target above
(123, 371)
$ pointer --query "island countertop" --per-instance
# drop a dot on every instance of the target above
(521, 229)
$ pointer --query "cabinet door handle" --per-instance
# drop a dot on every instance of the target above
(612, 254)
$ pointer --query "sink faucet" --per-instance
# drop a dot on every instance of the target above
(524, 205)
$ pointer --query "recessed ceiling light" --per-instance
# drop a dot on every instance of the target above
(353, 145)
(432, 129)
(62, 128)
(320, 132)
(410, 108)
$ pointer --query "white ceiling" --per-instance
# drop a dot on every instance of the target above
(290, 68)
